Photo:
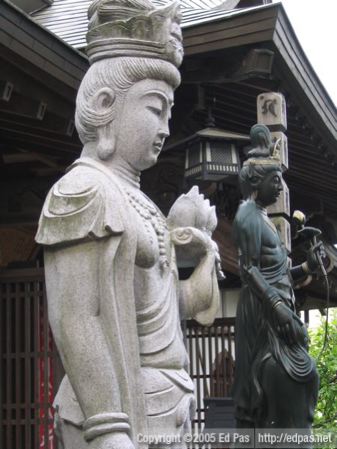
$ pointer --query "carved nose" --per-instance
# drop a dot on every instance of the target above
(164, 128)
(163, 133)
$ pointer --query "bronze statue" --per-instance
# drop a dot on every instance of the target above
(276, 381)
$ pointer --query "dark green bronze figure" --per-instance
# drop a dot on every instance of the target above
(276, 382)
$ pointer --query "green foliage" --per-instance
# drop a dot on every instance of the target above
(326, 410)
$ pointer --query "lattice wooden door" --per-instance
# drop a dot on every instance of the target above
(211, 352)
(30, 368)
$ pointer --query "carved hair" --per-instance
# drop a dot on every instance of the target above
(118, 74)
(260, 135)
(251, 176)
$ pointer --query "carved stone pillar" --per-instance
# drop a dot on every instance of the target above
(271, 111)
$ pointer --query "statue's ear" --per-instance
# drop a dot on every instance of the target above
(254, 182)
(106, 141)
(103, 102)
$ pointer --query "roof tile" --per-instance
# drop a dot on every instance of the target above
(68, 18)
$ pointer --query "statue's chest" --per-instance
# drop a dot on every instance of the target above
(153, 243)
(269, 234)
(272, 248)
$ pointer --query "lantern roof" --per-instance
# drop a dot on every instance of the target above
(208, 133)
(218, 133)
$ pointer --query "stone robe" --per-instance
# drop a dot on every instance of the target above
(139, 315)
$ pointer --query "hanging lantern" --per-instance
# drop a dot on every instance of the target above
(212, 154)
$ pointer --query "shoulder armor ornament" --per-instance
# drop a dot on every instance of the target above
(77, 210)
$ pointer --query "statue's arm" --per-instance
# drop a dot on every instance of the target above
(199, 295)
(302, 274)
(73, 289)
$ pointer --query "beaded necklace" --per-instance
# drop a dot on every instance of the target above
(151, 216)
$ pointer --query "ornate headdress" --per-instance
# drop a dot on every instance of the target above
(134, 28)
(264, 151)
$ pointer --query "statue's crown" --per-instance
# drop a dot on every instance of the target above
(134, 28)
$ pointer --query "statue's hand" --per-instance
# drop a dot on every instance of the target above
(314, 255)
(220, 274)
(284, 322)
(115, 440)
(194, 241)
(193, 244)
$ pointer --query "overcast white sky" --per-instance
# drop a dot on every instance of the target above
(315, 24)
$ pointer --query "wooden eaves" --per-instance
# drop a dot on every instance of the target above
(269, 26)
(39, 78)
(214, 51)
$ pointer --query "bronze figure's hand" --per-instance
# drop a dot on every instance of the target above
(314, 257)
(284, 323)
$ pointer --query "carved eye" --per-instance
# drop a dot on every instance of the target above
(156, 111)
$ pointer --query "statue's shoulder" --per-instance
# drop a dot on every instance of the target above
(83, 205)
(247, 228)
(247, 214)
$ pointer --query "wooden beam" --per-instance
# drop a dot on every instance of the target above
(232, 32)
(34, 137)
(30, 102)
(227, 67)
(18, 158)
(25, 156)
(36, 50)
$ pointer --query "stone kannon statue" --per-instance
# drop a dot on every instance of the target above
(114, 298)
(276, 382)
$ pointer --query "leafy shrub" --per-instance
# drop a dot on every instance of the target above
(326, 410)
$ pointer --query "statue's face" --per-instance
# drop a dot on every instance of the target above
(143, 123)
(269, 188)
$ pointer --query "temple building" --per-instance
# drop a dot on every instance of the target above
(235, 51)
